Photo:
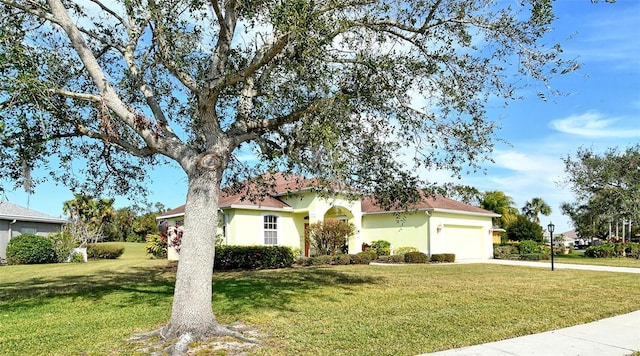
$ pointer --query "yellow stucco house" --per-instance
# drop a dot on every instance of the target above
(435, 225)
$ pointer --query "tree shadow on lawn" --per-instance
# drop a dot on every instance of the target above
(240, 292)
(145, 285)
(233, 292)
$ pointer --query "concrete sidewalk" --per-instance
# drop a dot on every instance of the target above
(615, 336)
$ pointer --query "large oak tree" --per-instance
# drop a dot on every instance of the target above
(606, 186)
(95, 91)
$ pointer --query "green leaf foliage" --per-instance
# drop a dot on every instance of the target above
(157, 245)
(107, 250)
(330, 89)
(607, 187)
(30, 249)
(253, 257)
(524, 229)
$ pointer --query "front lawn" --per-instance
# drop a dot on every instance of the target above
(579, 258)
(92, 308)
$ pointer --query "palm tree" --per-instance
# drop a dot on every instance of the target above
(92, 215)
(534, 208)
(499, 203)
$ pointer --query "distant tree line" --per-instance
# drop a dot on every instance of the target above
(95, 219)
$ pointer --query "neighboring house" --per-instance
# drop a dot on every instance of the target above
(435, 224)
(497, 234)
(16, 220)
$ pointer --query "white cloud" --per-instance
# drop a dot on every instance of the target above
(593, 124)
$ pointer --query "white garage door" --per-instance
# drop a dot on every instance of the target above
(467, 242)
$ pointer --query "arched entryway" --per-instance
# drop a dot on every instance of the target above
(341, 213)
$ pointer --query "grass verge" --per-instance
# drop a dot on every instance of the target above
(93, 308)
(579, 258)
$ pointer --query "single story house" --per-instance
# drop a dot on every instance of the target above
(434, 225)
(16, 220)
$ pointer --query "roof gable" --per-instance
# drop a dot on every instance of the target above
(436, 202)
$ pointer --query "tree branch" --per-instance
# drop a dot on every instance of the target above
(165, 53)
(109, 97)
(227, 23)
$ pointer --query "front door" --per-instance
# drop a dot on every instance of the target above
(306, 240)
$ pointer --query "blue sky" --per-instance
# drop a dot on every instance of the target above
(601, 109)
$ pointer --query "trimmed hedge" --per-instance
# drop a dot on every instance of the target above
(443, 257)
(253, 257)
(534, 256)
(30, 249)
(416, 257)
(364, 257)
(108, 251)
(342, 259)
(506, 252)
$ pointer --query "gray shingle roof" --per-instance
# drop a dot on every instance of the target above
(10, 211)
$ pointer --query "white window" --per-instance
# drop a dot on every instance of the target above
(270, 230)
(28, 230)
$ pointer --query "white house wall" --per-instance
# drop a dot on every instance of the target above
(9, 230)
(403, 230)
(469, 236)
(245, 227)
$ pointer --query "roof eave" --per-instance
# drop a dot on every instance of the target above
(476, 213)
(33, 219)
(256, 207)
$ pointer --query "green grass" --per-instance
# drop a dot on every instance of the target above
(92, 308)
(579, 258)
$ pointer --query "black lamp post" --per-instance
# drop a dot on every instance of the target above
(550, 227)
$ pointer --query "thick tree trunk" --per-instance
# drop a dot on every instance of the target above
(192, 312)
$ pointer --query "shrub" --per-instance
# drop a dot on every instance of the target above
(605, 250)
(364, 257)
(449, 257)
(404, 249)
(62, 245)
(30, 249)
(321, 260)
(108, 251)
(415, 257)
(534, 256)
(608, 250)
(505, 252)
(382, 247)
(342, 259)
(437, 257)
(156, 246)
(77, 258)
(528, 247)
(631, 249)
(254, 257)
(397, 258)
(329, 237)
